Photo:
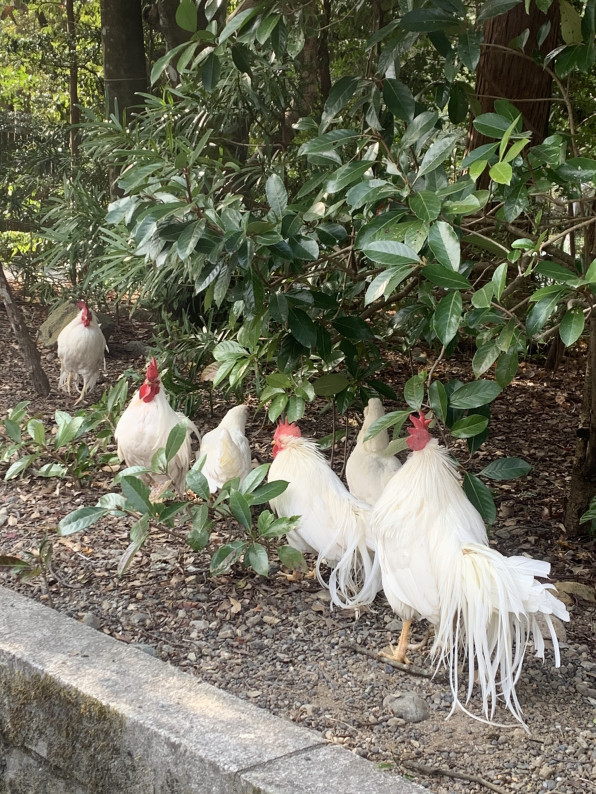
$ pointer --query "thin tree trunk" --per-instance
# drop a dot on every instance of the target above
(73, 80)
(27, 347)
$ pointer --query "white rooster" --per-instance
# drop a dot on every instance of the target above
(333, 523)
(144, 428)
(226, 449)
(436, 563)
(372, 463)
(81, 346)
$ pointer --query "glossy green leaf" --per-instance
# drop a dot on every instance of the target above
(137, 494)
(444, 243)
(481, 497)
(256, 557)
(506, 367)
(384, 284)
(484, 358)
(186, 15)
(393, 419)
(339, 96)
(210, 72)
(80, 519)
(276, 194)
(540, 312)
(390, 253)
(36, 430)
(445, 277)
(226, 556)
(469, 426)
(419, 127)
(19, 466)
(501, 173)
(425, 205)
(346, 175)
(572, 325)
(331, 384)
(398, 99)
(474, 394)
(354, 328)
(438, 152)
(177, 436)
(240, 509)
(291, 558)
(448, 316)
(438, 400)
(506, 469)
(302, 327)
(414, 390)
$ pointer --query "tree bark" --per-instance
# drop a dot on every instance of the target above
(27, 347)
(125, 70)
(73, 78)
(513, 75)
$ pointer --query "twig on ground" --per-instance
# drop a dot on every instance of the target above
(405, 668)
(438, 770)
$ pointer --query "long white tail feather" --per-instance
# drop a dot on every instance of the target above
(490, 602)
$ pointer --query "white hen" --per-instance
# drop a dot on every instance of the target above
(436, 563)
(333, 523)
(81, 346)
(144, 428)
(226, 449)
(372, 463)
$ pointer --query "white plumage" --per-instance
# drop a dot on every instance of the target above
(144, 428)
(226, 449)
(81, 346)
(333, 523)
(436, 563)
(372, 463)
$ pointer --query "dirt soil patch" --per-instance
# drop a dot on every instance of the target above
(280, 646)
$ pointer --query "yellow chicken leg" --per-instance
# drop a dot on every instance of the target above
(399, 654)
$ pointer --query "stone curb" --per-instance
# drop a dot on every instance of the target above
(81, 713)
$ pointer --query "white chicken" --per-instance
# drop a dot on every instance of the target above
(333, 523)
(372, 463)
(436, 563)
(144, 428)
(226, 449)
(81, 346)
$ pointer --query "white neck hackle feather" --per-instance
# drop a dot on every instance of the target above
(333, 524)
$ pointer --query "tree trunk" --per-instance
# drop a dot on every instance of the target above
(125, 70)
(73, 78)
(504, 73)
(27, 347)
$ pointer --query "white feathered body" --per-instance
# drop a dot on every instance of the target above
(81, 350)
(333, 523)
(226, 449)
(144, 428)
(371, 464)
(436, 563)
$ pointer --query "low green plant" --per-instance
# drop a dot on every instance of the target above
(66, 450)
(31, 564)
(192, 520)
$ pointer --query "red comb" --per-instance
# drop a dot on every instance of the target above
(152, 373)
(419, 435)
(287, 429)
(81, 304)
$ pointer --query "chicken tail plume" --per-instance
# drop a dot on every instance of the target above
(492, 606)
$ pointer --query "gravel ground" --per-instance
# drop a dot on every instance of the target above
(279, 645)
